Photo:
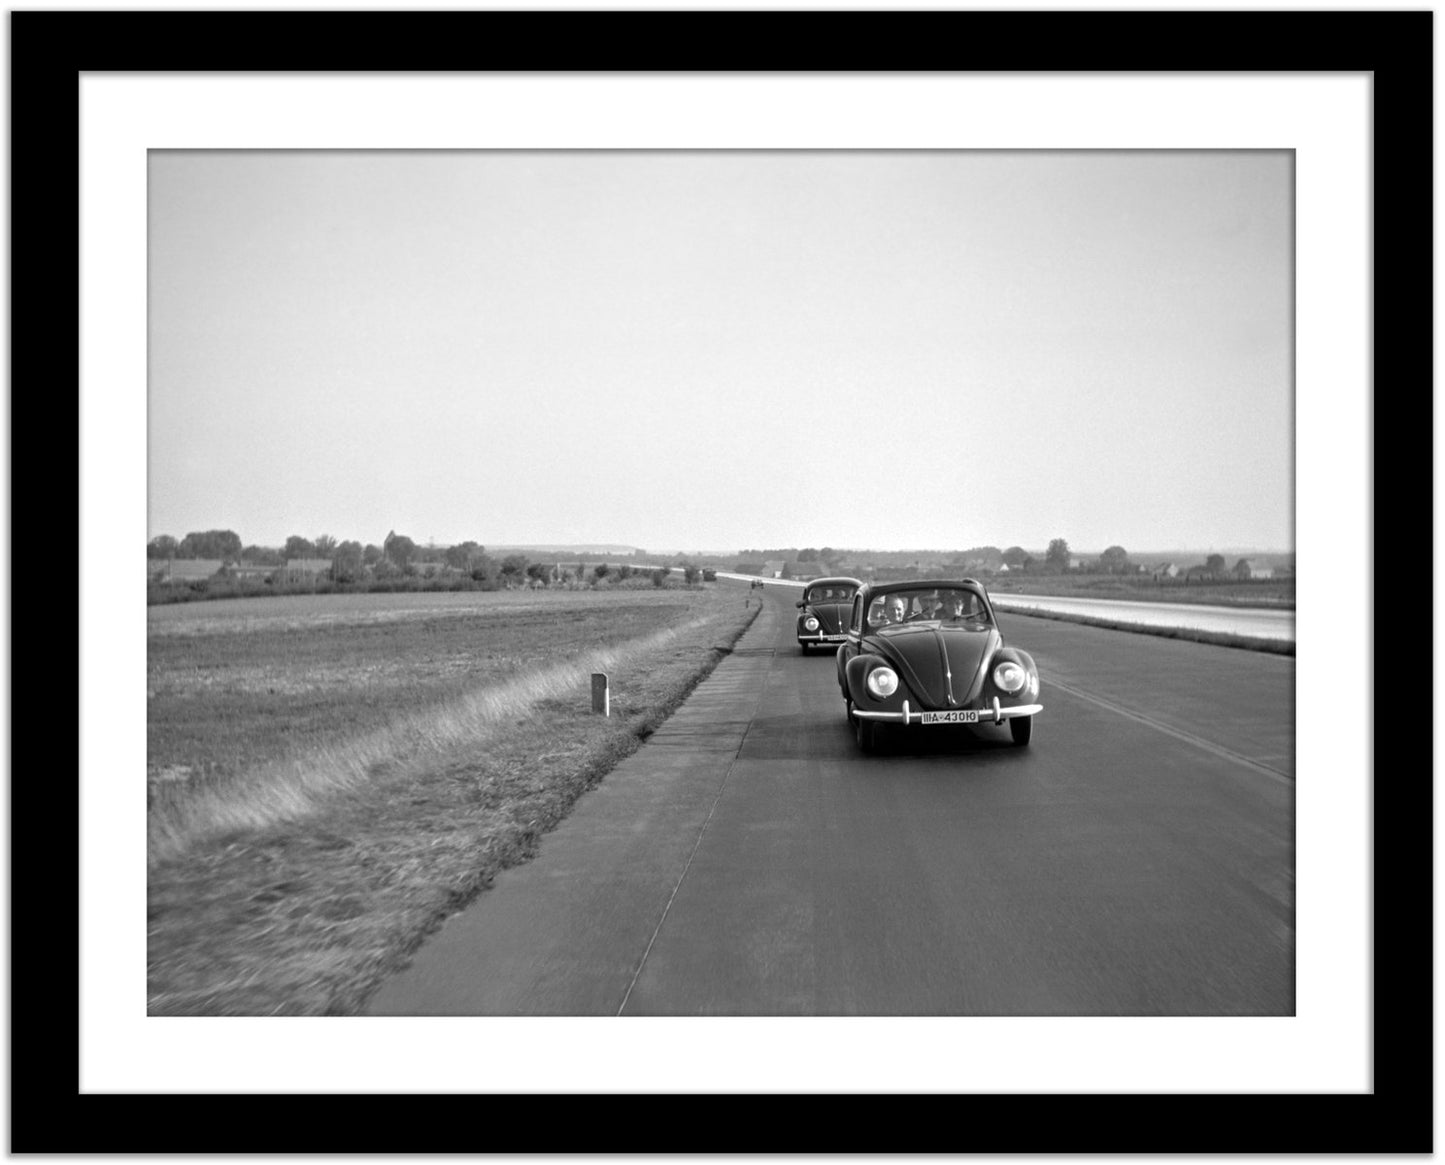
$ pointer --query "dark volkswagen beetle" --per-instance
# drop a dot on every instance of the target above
(926, 653)
(823, 611)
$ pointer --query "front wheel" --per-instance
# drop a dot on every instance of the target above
(803, 647)
(867, 732)
(1022, 729)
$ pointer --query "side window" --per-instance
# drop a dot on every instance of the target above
(853, 623)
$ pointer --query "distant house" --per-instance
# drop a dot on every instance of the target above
(803, 571)
(1245, 569)
(1167, 570)
(1284, 570)
(181, 570)
(773, 568)
(249, 570)
(302, 569)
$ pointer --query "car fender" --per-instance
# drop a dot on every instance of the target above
(1030, 691)
(857, 672)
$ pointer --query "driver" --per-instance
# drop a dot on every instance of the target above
(895, 609)
(928, 606)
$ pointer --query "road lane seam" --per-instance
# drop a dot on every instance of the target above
(696, 845)
(1178, 734)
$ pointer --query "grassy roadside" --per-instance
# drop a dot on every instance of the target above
(1191, 634)
(305, 909)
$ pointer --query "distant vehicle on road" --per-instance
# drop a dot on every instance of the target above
(755, 584)
(824, 611)
(918, 654)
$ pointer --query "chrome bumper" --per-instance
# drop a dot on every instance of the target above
(806, 638)
(995, 715)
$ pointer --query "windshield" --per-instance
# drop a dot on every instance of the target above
(943, 605)
(831, 594)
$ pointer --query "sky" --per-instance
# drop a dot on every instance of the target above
(724, 350)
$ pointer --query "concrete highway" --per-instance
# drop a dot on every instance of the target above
(1136, 859)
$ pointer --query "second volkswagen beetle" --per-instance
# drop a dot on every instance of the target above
(823, 611)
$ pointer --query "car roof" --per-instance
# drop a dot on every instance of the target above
(873, 590)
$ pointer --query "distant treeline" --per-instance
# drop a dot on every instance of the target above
(400, 561)
(324, 565)
(1056, 559)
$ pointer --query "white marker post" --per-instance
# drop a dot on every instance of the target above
(601, 697)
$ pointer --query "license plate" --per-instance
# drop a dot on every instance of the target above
(963, 716)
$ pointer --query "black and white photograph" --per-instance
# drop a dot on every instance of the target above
(700, 583)
(924, 517)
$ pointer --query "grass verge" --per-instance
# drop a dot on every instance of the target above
(295, 889)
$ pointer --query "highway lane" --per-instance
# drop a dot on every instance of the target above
(1136, 859)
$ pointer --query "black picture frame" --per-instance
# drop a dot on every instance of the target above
(49, 50)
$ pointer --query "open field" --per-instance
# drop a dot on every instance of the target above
(330, 777)
(236, 683)
(1273, 593)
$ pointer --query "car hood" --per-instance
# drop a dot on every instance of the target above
(832, 617)
(931, 659)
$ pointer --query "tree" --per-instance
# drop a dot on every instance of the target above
(514, 566)
(222, 544)
(1014, 557)
(262, 556)
(400, 549)
(691, 573)
(299, 547)
(462, 555)
(601, 571)
(325, 545)
(624, 572)
(162, 546)
(537, 572)
(1057, 555)
(808, 554)
(372, 554)
(346, 562)
(1214, 563)
(1114, 560)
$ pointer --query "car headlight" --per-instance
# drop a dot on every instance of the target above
(1009, 676)
(810, 623)
(882, 682)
